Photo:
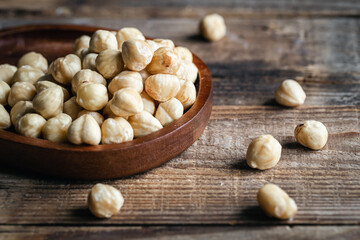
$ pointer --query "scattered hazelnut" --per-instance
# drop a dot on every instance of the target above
(126, 102)
(35, 60)
(311, 134)
(4, 118)
(4, 93)
(21, 91)
(128, 33)
(162, 87)
(263, 152)
(136, 54)
(290, 94)
(109, 63)
(169, 111)
(30, 125)
(144, 123)
(20, 109)
(86, 76)
(7, 72)
(49, 102)
(55, 129)
(71, 108)
(63, 69)
(212, 27)
(92, 96)
(85, 129)
(116, 130)
(186, 94)
(27, 74)
(89, 61)
(164, 61)
(102, 40)
(126, 79)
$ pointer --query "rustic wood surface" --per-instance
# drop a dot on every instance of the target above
(314, 42)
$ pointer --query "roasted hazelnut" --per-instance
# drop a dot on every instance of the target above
(89, 61)
(86, 76)
(102, 40)
(275, 202)
(55, 129)
(97, 116)
(20, 109)
(126, 102)
(30, 125)
(186, 94)
(4, 93)
(7, 72)
(187, 71)
(311, 134)
(263, 152)
(116, 130)
(27, 74)
(4, 118)
(162, 87)
(42, 85)
(126, 79)
(164, 61)
(128, 33)
(92, 96)
(35, 60)
(144, 123)
(85, 129)
(183, 54)
(109, 63)
(104, 201)
(212, 27)
(21, 91)
(148, 102)
(136, 54)
(63, 69)
(49, 102)
(71, 108)
(290, 94)
(169, 111)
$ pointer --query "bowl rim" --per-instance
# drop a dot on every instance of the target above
(204, 95)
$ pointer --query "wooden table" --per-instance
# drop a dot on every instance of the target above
(209, 192)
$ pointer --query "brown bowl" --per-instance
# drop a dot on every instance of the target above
(102, 161)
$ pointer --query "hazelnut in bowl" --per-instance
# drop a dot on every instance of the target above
(136, 109)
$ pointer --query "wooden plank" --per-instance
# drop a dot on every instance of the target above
(210, 182)
(183, 232)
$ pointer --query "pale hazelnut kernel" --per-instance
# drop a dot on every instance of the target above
(169, 111)
(153, 45)
(212, 27)
(30, 125)
(183, 54)
(81, 53)
(42, 85)
(144, 123)
(86, 76)
(136, 54)
(187, 71)
(311, 134)
(162, 87)
(4, 93)
(290, 94)
(55, 129)
(164, 61)
(128, 33)
(4, 118)
(116, 130)
(107, 113)
(20, 109)
(85, 129)
(71, 108)
(63, 69)
(89, 61)
(27, 74)
(49, 102)
(109, 63)
(126, 79)
(275, 202)
(104, 201)
(7, 72)
(186, 94)
(21, 91)
(102, 40)
(144, 75)
(263, 152)
(97, 116)
(126, 102)
(82, 42)
(148, 102)
(35, 60)
(164, 43)
(92, 96)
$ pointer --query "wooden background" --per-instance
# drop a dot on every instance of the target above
(208, 192)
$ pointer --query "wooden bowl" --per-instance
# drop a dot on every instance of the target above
(102, 161)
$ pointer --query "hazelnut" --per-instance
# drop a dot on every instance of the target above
(263, 152)
(126, 102)
(86, 76)
(30, 125)
(42, 85)
(85, 129)
(7, 72)
(92, 96)
(102, 40)
(4, 118)
(71, 108)
(21, 91)
(116, 130)
(164, 43)
(27, 74)
(164, 61)
(311, 134)
(35, 60)
(183, 54)
(104, 201)
(63, 69)
(212, 27)
(169, 111)
(153, 45)
(20, 109)
(89, 61)
(144, 123)
(126, 79)
(186, 94)
(187, 71)
(275, 202)
(144, 75)
(4, 93)
(162, 87)
(148, 102)
(49, 102)
(290, 94)
(81, 43)
(128, 33)
(136, 54)
(55, 129)
(109, 63)
(97, 116)
(107, 113)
